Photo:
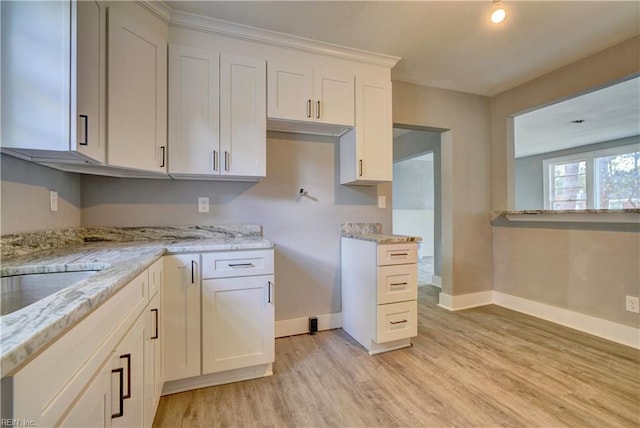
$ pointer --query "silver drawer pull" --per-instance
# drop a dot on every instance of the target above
(241, 265)
(398, 322)
(397, 284)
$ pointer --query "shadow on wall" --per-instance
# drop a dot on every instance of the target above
(14, 170)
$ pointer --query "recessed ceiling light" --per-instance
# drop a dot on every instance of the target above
(498, 14)
(577, 121)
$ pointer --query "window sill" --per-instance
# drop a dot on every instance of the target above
(585, 216)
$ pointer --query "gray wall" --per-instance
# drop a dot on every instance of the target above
(412, 144)
(467, 256)
(576, 266)
(24, 197)
(413, 186)
(529, 171)
(305, 230)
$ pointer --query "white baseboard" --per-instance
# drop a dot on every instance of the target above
(465, 301)
(295, 326)
(436, 281)
(609, 330)
(230, 376)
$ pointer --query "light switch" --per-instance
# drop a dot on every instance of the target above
(382, 201)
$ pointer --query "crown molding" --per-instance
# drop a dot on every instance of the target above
(158, 8)
(220, 27)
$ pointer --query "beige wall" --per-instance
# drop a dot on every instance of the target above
(305, 230)
(583, 268)
(24, 197)
(466, 179)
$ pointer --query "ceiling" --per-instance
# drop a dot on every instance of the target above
(608, 114)
(451, 44)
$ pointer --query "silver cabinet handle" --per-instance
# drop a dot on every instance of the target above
(398, 322)
(163, 155)
(397, 284)
(241, 265)
(227, 160)
(318, 109)
(215, 160)
(308, 108)
(86, 130)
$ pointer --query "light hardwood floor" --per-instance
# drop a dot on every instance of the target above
(481, 367)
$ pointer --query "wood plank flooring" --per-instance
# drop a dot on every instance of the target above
(483, 367)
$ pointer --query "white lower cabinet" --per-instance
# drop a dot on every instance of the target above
(181, 320)
(237, 323)
(379, 293)
(152, 360)
(127, 389)
(96, 374)
(219, 329)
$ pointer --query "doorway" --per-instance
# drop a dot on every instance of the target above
(416, 196)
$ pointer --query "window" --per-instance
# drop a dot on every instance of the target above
(603, 179)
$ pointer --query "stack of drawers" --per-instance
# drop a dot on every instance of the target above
(379, 293)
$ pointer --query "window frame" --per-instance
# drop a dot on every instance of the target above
(589, 157)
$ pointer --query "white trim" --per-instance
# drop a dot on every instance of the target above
(257, 35)
(295, 326)
(436, 281)
(577, 217)
(211, 379)
(609, 330)
(465, 301)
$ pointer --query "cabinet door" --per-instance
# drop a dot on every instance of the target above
(193, 111)
(243, 116)
(91, 70)
(137, 93)
(334, 98)
(374, 139)
(93, 408)
(290, 95)
(237, 322)
(181, 316)
(152, 361)
(129, 357)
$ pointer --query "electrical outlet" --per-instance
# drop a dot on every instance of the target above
(203, 205)
(382, 201)
(633, 304)
(53, 200)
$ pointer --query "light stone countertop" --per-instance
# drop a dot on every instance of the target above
(26, 331)
(382, 239)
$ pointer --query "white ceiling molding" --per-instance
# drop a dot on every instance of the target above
(252, 34)
(158, 8)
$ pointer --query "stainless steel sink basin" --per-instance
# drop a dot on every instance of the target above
(22, 290)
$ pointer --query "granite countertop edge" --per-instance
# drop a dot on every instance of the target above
(27, 331)
(381, 238)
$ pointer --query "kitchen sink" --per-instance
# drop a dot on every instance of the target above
(22, 290)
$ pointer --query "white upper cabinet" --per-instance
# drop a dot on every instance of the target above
(217, 115)
(366, 153)
(194, 124)
(53, 90)
(243, 116)
(137, 89)
(305, 94)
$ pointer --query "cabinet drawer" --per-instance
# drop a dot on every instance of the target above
(397, 254)
(397, 283)
(397, 321)
(237, 263)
